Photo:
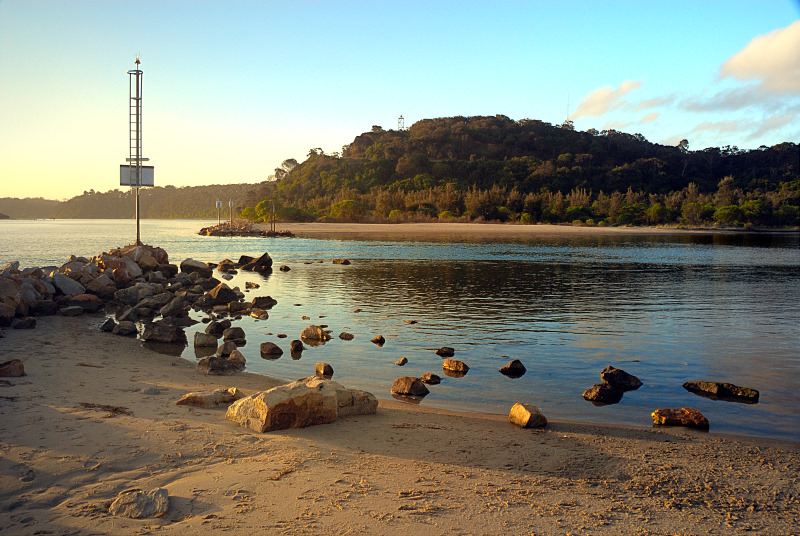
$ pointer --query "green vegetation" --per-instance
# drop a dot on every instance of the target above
(27, 209)
(496, 169)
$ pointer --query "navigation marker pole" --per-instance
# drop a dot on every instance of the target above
(134, 174)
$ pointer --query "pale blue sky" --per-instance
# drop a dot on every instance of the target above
(233, 88)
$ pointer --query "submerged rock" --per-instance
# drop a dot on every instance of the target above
(445, 351)
(723, 391)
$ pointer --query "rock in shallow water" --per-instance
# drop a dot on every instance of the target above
(723, 391)
(680, 417)
(619, 379)
(409, 386)
(603, 393)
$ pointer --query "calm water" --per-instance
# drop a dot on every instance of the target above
(666, 308)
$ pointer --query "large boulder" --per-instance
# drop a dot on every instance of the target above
(7, 314)
(527, 416)
(603, 393)
(125, 328)
(222, 294)
(10, 294)
(88, 302)
(620, 379)
(66, 285)
(190, 265)
(204, 340)
(409, 386)
(261, 264)
(723, 391)
(103, 286)
(217, 327)
(161, 331)
(138, 504)
(680, 417)
(210, 399)
(306, 402)
(174, 307)
(29, 322)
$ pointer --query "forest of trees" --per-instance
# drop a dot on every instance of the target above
(487, 169)
(497, 169)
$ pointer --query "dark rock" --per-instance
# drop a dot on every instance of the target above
(235, 334)
(128, 296)
(723, 391)
(225, 349)
(261, 264)
(341, 261)
(379, 340)
(108, 325)
(204, 340)
(296, 346)
(74, 310)
(513, 369)
(244, 259)
(323, 370)
(222, 294)
(192, 266)
(12, 369)
(161, 331)
(259, 314)
(346, 336)
(221, 366)
(445, 351)
(430, 378)
(680, 417)
(620, 379)
(7, 314)
(125, 328)
(270, 350)
(409, 386)
(251, 285)
(45, 308)
(264, 302)
(603, 393)
(28, 322)
(402, 361)
(88, 302)
(208, 283)
(67, 285)
(284, 268)
(217, 327)
(174, 307)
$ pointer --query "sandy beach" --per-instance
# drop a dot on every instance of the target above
(405, 470)
(457, 231)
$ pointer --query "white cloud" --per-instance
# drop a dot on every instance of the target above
(616, 125)
(649, 118)
(603, 100)
(772, 59)
(653, 103)
(772, 124)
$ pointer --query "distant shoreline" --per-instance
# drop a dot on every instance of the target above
(487, 230)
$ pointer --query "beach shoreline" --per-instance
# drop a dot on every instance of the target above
(483, 231)
(404, 470)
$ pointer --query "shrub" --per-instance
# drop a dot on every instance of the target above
(445, 215)
(526, 218)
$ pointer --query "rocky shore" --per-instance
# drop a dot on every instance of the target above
(242, 228)
(99, 433)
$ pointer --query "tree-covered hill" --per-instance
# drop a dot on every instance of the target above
(159, 202)
(497, 168)
(29, 208)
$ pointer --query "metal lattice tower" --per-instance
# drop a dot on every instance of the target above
(135, 159)
(401, 123)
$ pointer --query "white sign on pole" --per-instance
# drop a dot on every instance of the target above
(127, 176)
(230, 204)
(219, 204)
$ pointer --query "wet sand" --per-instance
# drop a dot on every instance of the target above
(406, 470)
